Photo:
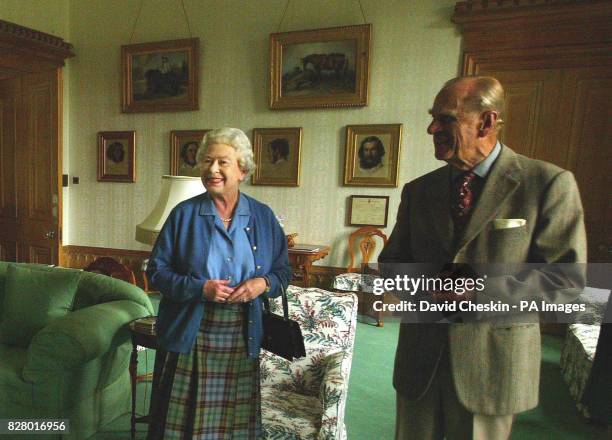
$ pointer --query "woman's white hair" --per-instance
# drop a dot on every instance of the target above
(235, 138)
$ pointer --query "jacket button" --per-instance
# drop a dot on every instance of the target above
(258, 267)
(247, 228)
(254, 248)
(250, 322)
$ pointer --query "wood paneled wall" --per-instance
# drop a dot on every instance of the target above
(79, 257)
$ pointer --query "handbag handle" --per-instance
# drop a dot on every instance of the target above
(266, 302)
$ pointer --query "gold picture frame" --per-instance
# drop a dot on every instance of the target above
(184, 146)
(160, 76)
(368, 211)
(117, 156)
(277, 154)
(320, 68)
(372, 155)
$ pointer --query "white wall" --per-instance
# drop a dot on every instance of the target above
(49, 16)
(415, 48)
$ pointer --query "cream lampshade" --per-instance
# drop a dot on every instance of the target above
(174, 190)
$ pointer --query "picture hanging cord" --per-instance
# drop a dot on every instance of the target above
(136, 21)
(140, 10)
(362, 13)
(287, 7)
(283, 17)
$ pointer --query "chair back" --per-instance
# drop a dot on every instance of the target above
(112, 268)
(328, 323)
(364, 238)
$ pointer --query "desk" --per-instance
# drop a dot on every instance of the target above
(142, 333)
(301, 260)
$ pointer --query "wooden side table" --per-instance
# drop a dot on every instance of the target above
(301, 258)
(142, 332)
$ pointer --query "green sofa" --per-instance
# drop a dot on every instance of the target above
(65, 346)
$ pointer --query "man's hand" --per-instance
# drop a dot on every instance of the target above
(248, 290)
(217, 290)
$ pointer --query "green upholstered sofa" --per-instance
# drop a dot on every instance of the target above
(65, 346)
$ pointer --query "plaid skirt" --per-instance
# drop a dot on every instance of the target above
(212, 392)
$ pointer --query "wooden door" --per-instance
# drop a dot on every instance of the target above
(563, 116)
(9, 95)
(30, 207)
(531, 108)
(585, 110)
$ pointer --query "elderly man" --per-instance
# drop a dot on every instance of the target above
(488, 205)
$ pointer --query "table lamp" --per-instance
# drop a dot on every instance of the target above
(174, 189)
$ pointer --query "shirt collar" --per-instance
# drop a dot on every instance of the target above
(243, 208)
(483, 167)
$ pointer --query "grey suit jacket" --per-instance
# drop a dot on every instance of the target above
(495, 366)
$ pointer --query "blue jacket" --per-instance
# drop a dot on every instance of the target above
(177, 269)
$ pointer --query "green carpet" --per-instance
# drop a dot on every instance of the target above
(370, 409)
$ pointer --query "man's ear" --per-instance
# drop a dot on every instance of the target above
(488, 123)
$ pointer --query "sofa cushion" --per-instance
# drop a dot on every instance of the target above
(290, 415)
(13, 360)
(32, 299)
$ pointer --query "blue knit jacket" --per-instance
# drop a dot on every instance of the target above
(177, 269)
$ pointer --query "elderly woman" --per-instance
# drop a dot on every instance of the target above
(215, 256)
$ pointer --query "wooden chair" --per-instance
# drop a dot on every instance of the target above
(359, 276)
(112, 268)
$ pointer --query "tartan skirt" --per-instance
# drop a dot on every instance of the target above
(212, 392)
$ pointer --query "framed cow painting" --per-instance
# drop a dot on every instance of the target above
(320, 68)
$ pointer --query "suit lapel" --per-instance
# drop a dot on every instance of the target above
(438, 192)
(502, 181)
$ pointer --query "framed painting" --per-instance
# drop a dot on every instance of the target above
(372, 155)
(116, 156)
(184, 146)
(160, 76)
(277, 156)
(320, 68)
(368, 211)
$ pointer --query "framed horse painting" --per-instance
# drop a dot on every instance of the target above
(320, 68)
(161, 76)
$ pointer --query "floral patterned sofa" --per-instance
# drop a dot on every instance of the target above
(577, 359)
(305, 399)
(578, 351)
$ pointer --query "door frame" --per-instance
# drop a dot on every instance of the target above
(25, 51)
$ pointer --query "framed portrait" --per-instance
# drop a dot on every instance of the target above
(277, 156)
(160, 76)
(372, 155)
(368, 211)
(184, 146)
(116, 156)
(320, 68)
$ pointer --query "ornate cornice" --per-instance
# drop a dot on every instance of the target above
(22, 39)
(478, 10)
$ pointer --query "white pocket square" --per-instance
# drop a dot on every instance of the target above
(508, 223)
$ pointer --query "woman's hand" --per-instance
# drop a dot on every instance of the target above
(248, 290)
(217, 290)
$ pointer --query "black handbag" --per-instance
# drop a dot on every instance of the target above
(281, 335)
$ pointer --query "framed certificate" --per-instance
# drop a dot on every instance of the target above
(368, 211)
